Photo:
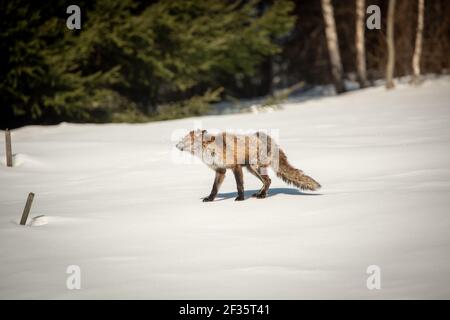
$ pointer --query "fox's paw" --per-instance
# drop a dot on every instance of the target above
(259, 195)
(239, 198)
(208, 199)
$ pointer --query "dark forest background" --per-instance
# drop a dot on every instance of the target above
(153, 60)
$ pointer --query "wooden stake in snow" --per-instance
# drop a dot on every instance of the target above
(8, 148)
(27, 208)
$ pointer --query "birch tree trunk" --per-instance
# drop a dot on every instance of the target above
(418, 45)
(360, 44)
(333, 46)
(391, 46)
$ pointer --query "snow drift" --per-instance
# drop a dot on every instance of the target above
(132, 219)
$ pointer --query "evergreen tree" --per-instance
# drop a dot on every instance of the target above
(129, 57)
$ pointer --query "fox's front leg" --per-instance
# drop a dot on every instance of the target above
(220, 175)
(237, 170)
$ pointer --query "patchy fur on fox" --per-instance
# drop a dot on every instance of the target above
(256, 152)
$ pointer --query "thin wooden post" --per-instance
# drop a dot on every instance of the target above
(9, 162)
(27, 208)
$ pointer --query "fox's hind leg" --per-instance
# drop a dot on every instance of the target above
(261, 174)
(220, 175)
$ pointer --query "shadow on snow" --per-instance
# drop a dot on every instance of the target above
(272, 192)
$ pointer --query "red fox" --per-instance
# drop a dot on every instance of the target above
(256, 152)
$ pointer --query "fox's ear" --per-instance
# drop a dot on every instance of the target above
(207, 139)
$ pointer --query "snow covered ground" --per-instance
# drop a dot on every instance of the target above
(132, 219)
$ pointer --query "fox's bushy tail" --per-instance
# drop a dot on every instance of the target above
(285, 170)
(294, 176)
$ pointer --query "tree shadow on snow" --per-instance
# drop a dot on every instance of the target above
(272, 192)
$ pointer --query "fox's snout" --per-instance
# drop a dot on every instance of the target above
(180, 146)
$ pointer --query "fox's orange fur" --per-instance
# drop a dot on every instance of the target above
(256, 152)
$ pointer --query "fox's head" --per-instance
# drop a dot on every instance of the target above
(192, 141)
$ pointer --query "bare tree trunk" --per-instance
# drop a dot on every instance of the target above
(359, 42)
(391, 46)
(418, 45)
(333, 46)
